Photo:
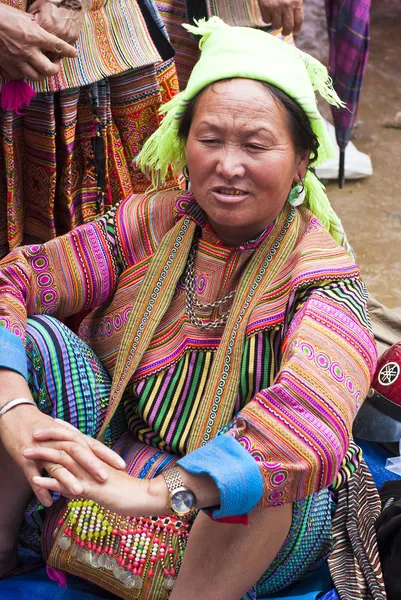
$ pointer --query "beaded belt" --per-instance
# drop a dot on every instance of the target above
(131, 557)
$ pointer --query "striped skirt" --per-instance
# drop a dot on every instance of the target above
(69, 382)
(71, 154)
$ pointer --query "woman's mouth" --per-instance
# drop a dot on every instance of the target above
(229, 194)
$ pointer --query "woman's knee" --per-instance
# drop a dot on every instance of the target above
(66, 378)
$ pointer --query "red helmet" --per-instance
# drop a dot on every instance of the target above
(379, 419)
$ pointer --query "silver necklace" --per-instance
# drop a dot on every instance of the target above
(191, 299)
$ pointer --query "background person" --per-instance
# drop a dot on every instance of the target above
(69, 156)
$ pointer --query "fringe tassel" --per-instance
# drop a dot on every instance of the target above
(321, 80)
(57, 576)
(165, 144)
(15, 95)
(205, 28)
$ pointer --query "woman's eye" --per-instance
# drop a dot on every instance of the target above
(210, 141)
(255, 147)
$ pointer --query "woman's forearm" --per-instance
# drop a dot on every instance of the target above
(203, 487)
(12, 385)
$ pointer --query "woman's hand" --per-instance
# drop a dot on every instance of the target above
(58, 19)
(120, 493)
(70, 450)
(286, 14)
(24, 46)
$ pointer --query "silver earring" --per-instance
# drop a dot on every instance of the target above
(297, 194)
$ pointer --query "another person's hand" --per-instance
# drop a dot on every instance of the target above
(23, 427)
(24, 46)
(285, 14)
(64, 22)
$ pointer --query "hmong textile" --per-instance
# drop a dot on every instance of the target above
(69, 158)
(69, 382)
(242, 14)
(155, 295)
(297, 427)
(355, 563)
(348, 24)
(114, 38)
(174, 14)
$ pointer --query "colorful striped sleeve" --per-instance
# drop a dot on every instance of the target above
(65, 276)
(297, 431)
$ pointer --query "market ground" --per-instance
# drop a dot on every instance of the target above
(371, 208)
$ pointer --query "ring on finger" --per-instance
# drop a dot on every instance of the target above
(58, 48)
(52, 470)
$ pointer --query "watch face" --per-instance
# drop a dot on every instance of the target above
(183, 502)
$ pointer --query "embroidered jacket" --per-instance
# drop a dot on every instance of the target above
(307, 361)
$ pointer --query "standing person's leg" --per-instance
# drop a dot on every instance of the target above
(129, 112)
(174, 14)
(11, 187)
(68, 382)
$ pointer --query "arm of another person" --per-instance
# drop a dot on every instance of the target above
(25, 47)
(285, 14)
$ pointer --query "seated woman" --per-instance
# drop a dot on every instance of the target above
(225, 335)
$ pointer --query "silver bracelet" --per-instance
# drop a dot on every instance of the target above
(12, 403)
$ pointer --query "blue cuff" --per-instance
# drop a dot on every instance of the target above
(235, 472)
(12, 352)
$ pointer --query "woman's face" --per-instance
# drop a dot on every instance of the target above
(241, 158)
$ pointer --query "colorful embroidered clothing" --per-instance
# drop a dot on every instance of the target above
(69, 157)
(306, 364)
(69, 382)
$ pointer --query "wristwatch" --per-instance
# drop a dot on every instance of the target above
(181, 501)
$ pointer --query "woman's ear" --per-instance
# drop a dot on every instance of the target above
(302, 164)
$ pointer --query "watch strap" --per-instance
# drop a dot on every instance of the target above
(173, 479)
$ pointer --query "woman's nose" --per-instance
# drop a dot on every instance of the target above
(230, 164)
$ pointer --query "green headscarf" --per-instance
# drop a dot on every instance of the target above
(231, 52)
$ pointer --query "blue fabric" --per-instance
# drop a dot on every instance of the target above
(330, 596)
(310, 588)
(37, 586)
(12, 352)
(375, 457)
(235, 472)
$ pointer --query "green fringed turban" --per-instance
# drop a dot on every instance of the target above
(231, 52)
